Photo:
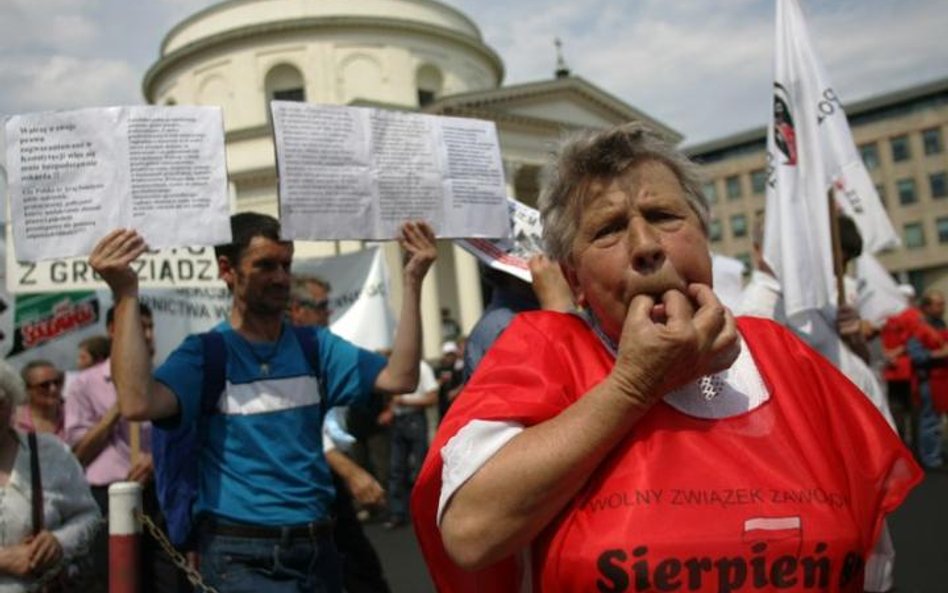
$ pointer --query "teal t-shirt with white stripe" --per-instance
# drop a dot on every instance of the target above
(262, 461)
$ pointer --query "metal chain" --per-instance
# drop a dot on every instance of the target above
(179, 559)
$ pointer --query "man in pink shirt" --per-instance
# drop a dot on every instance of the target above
(102, 441)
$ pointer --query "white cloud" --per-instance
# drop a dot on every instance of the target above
(705, 68)
(59, 25)
(64, 82)
(893, 47)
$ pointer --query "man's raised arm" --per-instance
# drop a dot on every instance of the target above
(400, 375)
(139, 396)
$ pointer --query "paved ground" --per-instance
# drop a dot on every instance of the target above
(404, 567)
(919, 529)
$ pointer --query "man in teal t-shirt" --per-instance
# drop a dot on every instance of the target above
(264, 488)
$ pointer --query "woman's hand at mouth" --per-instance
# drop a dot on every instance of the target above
(669, 342)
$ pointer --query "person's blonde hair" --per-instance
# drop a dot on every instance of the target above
(605, 155)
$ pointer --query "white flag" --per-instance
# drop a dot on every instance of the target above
(878, 296)
(728, 279)
(809, 150)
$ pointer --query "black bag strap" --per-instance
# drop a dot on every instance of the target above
(215, 371)
(36, 485)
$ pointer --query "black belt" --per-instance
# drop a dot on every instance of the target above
(308, 530)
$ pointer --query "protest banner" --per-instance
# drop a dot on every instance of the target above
(810, 150)
(511, 254)
(359, 173)
(73, 176)
(186, 267)
(51, 325)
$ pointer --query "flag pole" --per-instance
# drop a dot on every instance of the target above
(135, 440)
(837, 248)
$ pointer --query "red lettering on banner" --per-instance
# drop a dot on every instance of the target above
(66, 317)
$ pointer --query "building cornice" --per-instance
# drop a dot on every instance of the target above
(316, 24)
(226, 5)
(502, 117)
(258, 176)
(528, 91)
(250, 133)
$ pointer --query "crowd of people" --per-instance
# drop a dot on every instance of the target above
(578, 436)
(103, 448)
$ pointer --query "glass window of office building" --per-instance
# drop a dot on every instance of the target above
(913, 235)
(931, 140)
(870, 155)
(900, 148)
(739, 225)
(906, 191)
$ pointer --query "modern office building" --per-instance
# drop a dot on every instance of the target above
(901, 137)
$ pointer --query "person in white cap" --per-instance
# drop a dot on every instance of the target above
(450, 377)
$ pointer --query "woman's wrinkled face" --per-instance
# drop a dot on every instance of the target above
(637, 235)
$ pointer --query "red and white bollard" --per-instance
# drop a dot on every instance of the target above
(125, 502)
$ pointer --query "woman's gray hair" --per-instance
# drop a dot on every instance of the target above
(12, 387)
(605, 155)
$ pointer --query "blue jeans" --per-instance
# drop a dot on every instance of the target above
(280, 565)
(929, 428)
(409, 447)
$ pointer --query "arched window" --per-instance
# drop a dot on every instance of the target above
(428, 81)
(285, 83)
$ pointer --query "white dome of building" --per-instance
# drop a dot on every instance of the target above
(240, 53)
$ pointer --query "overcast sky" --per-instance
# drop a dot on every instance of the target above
(702, 67)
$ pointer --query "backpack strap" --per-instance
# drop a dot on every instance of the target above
(36, 484)
(304, 334)
(215, 371)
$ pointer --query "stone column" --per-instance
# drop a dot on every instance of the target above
(511, 168)
(470, 299)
